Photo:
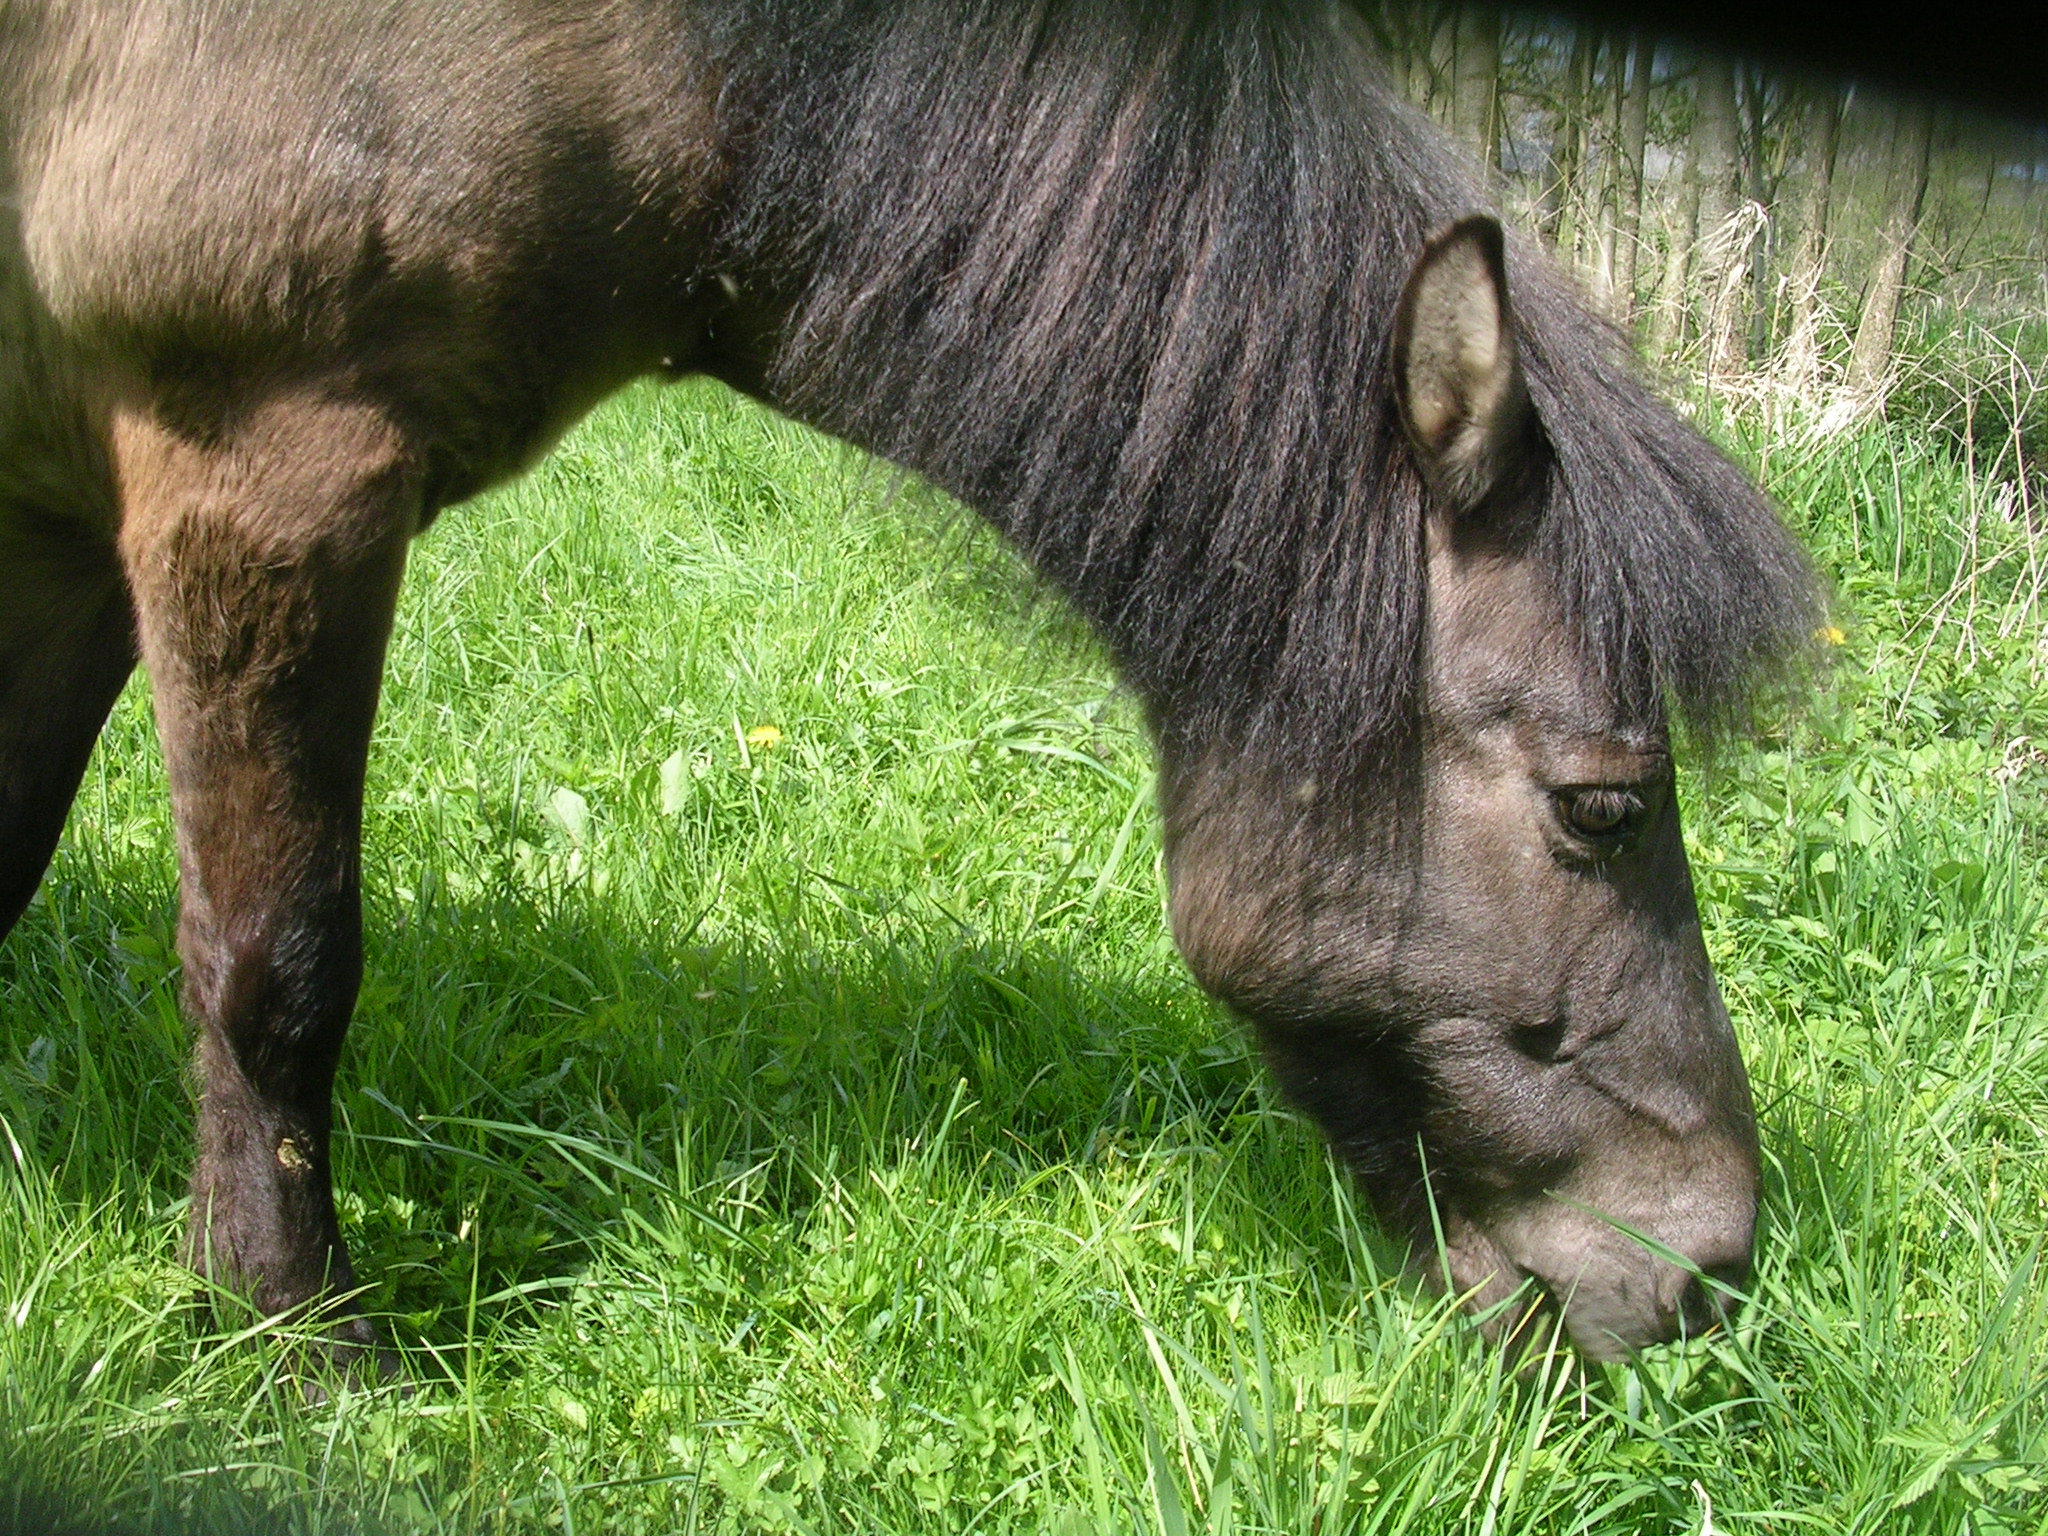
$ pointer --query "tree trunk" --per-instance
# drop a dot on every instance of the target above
(1809, 255)
(1416, 75)
(1581, 190)
(1443, 52)
(1766, 163)
(1681, 227)
(1568, 148)
(1722, 264)
(1871, 357)
(1476, 79)
(1613, 174)
(1635, 123)
(1414, 26)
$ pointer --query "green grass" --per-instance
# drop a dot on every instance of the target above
(819, 1134)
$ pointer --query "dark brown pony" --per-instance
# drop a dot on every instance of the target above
(1410, 573)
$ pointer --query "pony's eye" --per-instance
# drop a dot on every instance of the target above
(1600, 815)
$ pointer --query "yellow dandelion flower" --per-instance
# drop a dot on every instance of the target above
(764, 736)
(1832, 635)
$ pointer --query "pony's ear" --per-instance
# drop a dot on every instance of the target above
(1456, 371)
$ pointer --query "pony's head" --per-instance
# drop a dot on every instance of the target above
(1495, 998)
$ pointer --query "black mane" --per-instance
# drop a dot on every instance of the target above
(1122, 275)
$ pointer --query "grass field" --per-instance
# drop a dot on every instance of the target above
(775, 1104)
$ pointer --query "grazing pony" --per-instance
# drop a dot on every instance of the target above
(1411, 574)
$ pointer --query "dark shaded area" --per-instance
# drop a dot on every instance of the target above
(1982, 56)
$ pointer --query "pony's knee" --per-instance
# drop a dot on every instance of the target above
(279, 995)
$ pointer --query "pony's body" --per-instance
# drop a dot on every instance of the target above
(486, 221)
(1140, 283)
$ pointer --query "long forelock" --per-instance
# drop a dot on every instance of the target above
(1121, 277)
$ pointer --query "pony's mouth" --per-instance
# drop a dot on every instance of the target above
(1529, 1323)
(1609, 1302)
(1509, 1302)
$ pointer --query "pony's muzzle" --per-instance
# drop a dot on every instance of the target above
(1626, 1296)
(1618, 1285)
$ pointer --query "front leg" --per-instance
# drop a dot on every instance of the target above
(264, 552)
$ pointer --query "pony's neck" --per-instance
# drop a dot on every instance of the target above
(1120, 280)
(1121, 275)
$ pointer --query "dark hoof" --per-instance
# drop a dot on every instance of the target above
(351, 1357)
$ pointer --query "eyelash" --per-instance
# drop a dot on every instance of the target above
(1619, 808)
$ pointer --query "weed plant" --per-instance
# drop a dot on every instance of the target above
(774, 1104)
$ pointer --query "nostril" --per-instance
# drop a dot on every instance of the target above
(1734, 1273)
(1711, 1297)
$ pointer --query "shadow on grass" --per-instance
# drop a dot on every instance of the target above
(575, 1061)
(524, 1081)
